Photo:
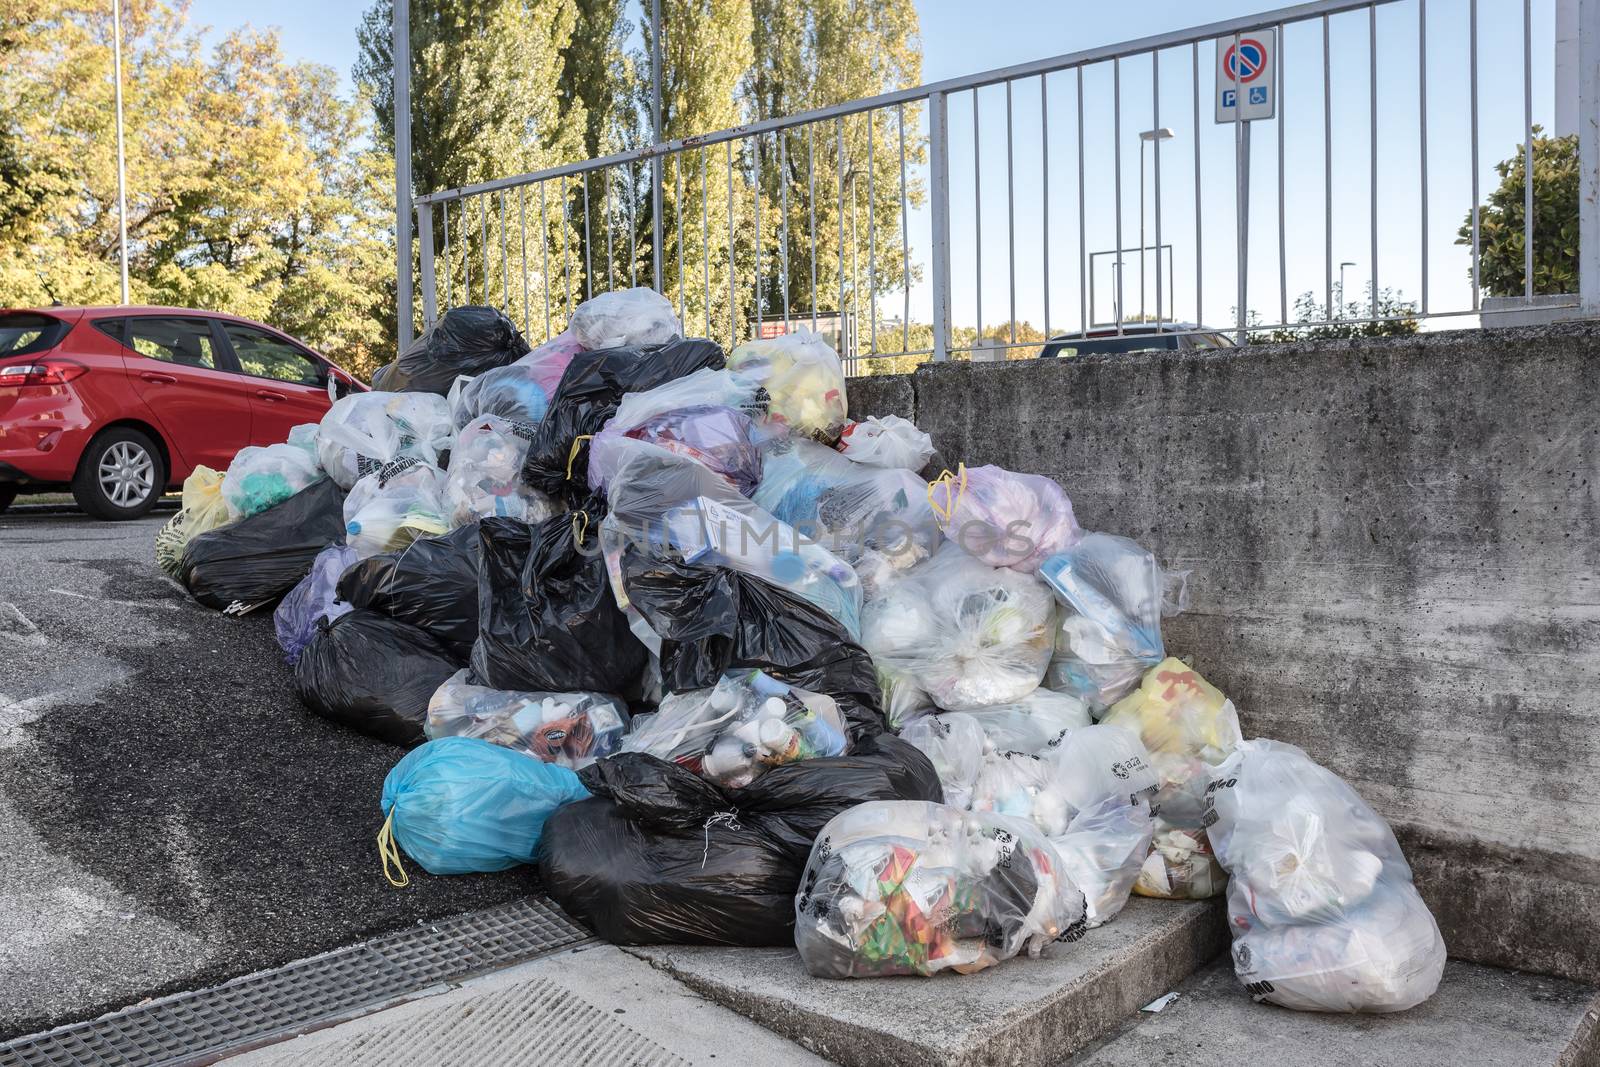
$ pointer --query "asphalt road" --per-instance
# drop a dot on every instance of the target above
(170, 816)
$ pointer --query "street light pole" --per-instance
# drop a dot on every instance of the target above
(1148, 136)
(122, 179)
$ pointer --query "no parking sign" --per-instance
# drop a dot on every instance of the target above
(1246, 76)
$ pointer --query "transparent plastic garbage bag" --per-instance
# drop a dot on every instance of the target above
(1320, 901)
(735, 731)
(706, 416)
(203, 509)
(887, 441)
(258, 478)
(804, 380)
(915, 888)
(1033, 723)
(1004, 518)
(364, 431)
(954, 743)
(1116, 593)
(968, 634)
(513, 393)
(394, 505)
(485, 476)
(548, 361)
(633, 318)
(567, 729)
(315, 598)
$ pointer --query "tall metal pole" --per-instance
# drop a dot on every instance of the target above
(655, 124)
(402, 168)
(122, 179)
(1589, 156)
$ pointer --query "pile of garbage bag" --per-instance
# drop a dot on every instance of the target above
(732, 668)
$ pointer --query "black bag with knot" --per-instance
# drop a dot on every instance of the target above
(547, 621)
(594, 384)
(255, 561)
(465, 340)
(432, 584)
(659, 855)
(373, 674)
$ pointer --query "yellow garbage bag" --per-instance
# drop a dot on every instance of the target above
(203, 509)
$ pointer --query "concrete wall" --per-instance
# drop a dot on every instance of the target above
(1395, 556)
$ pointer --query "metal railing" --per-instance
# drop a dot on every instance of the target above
(874, 220)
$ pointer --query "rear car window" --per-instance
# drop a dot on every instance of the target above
(22, 333)
(1127, 343)
(186, 342)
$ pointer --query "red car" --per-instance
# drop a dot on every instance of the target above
(121, 403)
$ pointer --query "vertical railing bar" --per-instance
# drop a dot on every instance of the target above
(466, 255)
(844, 332)
(677, 228)
(733, 280)
(1527, 147)
(1372, 125)
(811, 207)
(522, 224)
(783, 188)
(705, 238)
(1199, 242)
(1155, 152)
(755, 184)
(1116, 157)
(449, 264)
(1472, 67)
(855, 261)
(872, 240)
(633, 227)
(905, 239)
(1422, 110)
(483, 218)
(588, 246)
(977, 211)
(1327, 175)
(1011, 219)
(505, 259)
(544, 247)
(1083, 246)
(566, 256)
(611, 255)
(426, 260)
(1044, 160)
(1283, 249)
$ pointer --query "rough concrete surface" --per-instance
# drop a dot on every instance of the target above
(1480, 1016)
(1023, 1011)
(170, 815)
(1395, 547)
(594, 1007)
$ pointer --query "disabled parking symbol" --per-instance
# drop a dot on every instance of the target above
(1258, 94)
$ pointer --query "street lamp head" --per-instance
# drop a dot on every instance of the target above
(1162, 134)
(1347, 263)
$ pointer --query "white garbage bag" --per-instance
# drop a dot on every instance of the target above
(633, 318)
(394, 505)
(909, 887)
(954, 743)
(258, 478)
(1320, 901)
(804, 380)
(1033, 723)
(567, 729)
(364, 431)
(887, 441)
(485, 476)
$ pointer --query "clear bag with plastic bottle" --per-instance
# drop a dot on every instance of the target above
(954, 743)
(1004, 518)
(969, 635)
(485, 476)
(568, 729)
(394, 505)
(915, 888)
(733, 732)
(1115, 593)
(1321, 905)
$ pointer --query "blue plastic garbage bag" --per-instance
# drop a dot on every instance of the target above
(460, 805)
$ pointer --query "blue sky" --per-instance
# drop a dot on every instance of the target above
(963, 37)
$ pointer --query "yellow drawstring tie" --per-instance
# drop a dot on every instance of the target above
(954, 486)
(390, 851)
(572, 457)
(579, 531)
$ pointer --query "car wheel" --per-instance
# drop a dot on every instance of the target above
(121, 475)
(8, 494)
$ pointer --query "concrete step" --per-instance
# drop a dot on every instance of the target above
(1025, 1011)
(1480, 1017)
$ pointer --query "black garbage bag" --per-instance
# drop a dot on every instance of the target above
(713, 619)
(590, 390)
(547, 620)
(432, 584)
(465, 340)
(659, 855)
(373, 674)
(255, 561)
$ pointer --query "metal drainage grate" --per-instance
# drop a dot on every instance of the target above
(199, 1026)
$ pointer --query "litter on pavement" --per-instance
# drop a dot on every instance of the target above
(730, 668)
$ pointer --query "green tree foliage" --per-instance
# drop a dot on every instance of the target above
(251, 186)
(1503, 264)
(1389, 316)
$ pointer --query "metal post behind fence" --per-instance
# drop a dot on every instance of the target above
(655, 160)
(430, 306)
(1589, 156)
(402, 167)
(939, 202)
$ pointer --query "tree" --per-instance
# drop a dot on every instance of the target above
(1390, 316)
(1502, 259)
(249, 189)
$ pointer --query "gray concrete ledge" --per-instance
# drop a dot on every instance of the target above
(1023, 1011)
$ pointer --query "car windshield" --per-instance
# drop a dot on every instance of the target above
(22, 333)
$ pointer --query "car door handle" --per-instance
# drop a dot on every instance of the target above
(268, 394)
(158, 379)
